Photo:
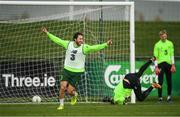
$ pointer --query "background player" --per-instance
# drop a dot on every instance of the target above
(164, 53)
(131, 82)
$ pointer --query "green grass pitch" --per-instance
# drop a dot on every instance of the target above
(149, 107)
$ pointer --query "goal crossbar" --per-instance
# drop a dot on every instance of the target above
(77, 3)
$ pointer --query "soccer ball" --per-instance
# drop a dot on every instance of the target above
(36, 99)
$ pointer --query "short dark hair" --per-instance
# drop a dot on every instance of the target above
(76, 35)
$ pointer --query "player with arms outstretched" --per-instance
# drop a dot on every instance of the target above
(74, 65)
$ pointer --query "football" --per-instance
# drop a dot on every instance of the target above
(36, 99)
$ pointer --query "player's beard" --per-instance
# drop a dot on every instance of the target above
(79, 43)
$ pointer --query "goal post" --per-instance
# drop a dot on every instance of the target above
(31, 64)
(132, 46)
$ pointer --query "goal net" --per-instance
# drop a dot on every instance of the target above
(31, 64)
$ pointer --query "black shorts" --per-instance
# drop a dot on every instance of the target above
(72, 77)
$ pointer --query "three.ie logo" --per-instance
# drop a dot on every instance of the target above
(10, 80)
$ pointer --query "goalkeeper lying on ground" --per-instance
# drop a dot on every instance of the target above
(131, 82)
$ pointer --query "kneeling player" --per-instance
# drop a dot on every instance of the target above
(131, 82)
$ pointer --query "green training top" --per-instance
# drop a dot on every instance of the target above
(86, 48)
(120, 93)
(163, 51)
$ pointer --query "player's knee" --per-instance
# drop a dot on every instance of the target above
(62, 88)
(71, 92)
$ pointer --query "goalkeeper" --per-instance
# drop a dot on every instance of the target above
(131, 82)
(74, 65)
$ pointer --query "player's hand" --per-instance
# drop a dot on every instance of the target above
(43, 29)
(157, 70)
(173, 68)
(109, 42)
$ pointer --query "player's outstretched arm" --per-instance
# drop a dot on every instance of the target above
(88, 49)
(55, 39)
